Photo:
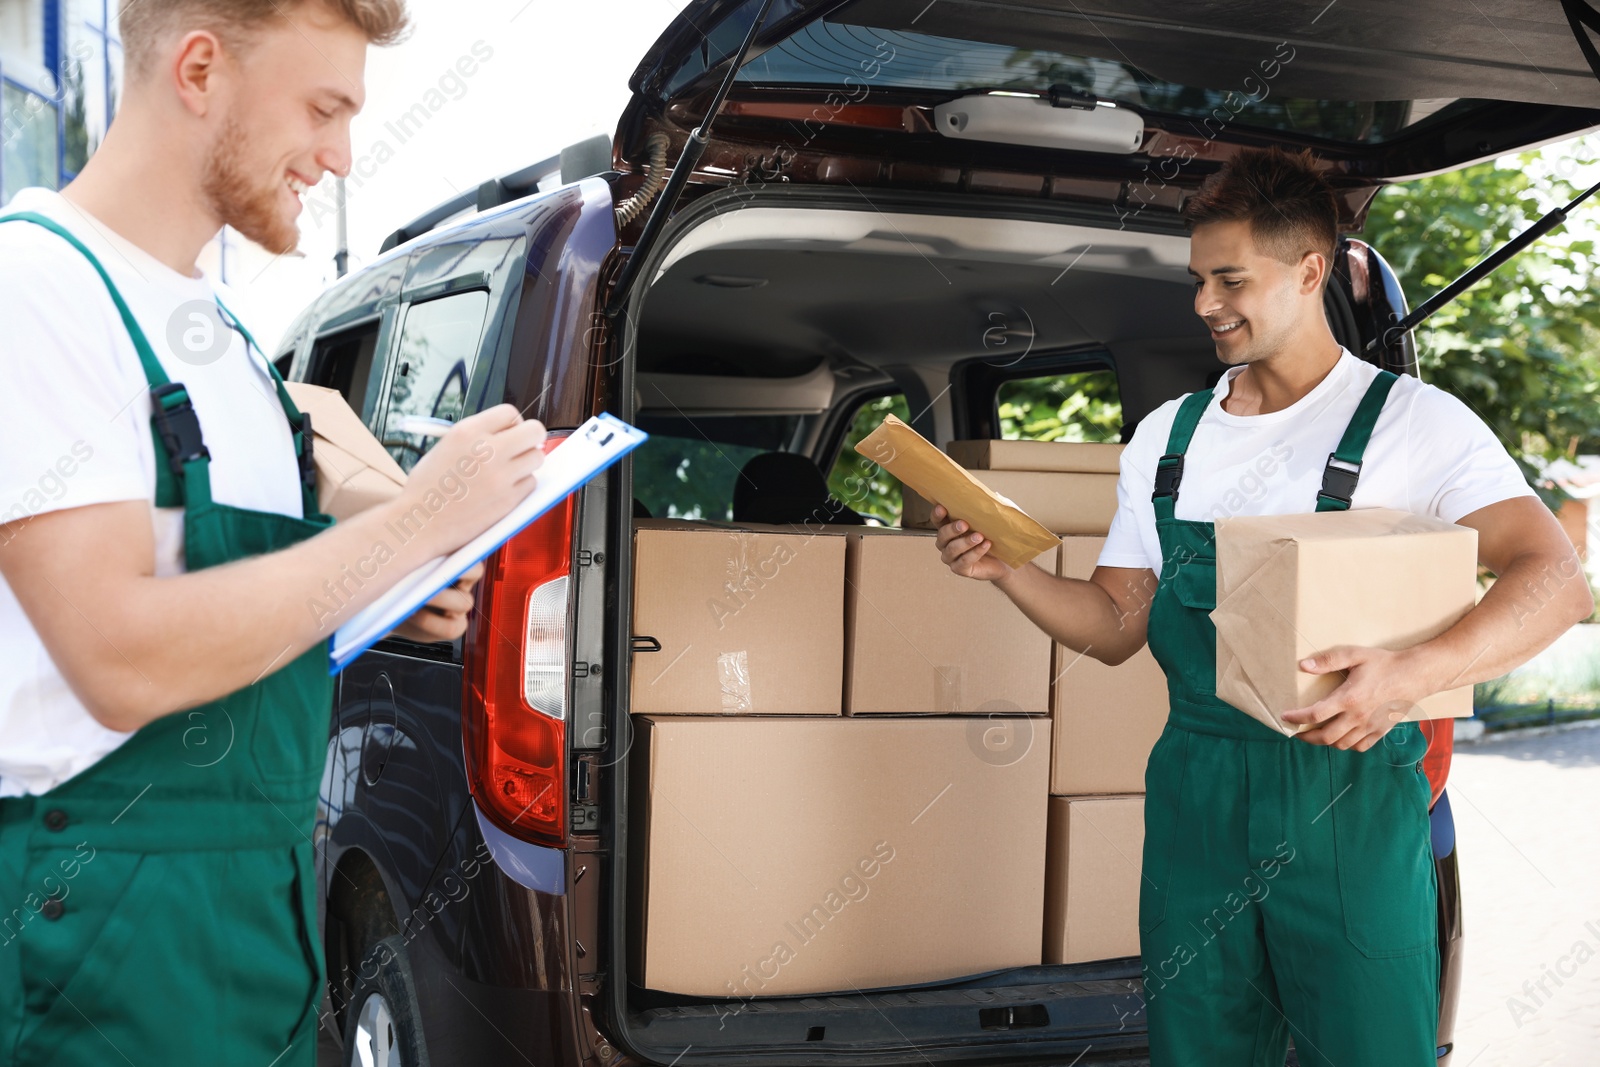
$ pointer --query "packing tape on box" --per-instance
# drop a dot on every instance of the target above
(733, 679)
(947, 688)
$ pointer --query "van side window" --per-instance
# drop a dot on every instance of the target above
(343, 361)
(438, 349)
(860, 483)
(1080, 406)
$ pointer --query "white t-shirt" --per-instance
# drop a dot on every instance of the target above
(1429, 455)
(76, 431)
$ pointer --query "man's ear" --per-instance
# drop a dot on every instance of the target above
(1312, 271)
(194, 71)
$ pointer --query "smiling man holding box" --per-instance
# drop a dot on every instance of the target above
(156, 867)
(1344, 950)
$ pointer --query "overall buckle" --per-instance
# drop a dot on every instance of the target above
(1169, 473)
(1339, 479)
(308, 469)
(177, 425)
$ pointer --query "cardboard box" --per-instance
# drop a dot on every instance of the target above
(783, 856)
(1062, 503)
(1069, 456)
(924, 470)
(1288, 586)
(1091, 902)
(750, 622)
(1106, 719)
(921, 639)
(354, 470)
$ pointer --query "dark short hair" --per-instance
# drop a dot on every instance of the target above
(1289, 205)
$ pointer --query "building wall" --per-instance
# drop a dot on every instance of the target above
(60, 79)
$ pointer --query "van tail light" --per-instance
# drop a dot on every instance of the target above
(514, 692)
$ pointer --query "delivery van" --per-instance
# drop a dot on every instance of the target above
(939, 210)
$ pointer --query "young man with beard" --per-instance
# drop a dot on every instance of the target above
(164, 696)
(1343, 951)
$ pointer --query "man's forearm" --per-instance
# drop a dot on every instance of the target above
(1537, 598)
(1077, 613)
(170, 643)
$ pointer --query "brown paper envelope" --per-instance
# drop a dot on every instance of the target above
(354, 471)
(909, 456)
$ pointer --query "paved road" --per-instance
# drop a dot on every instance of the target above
(1527, 815)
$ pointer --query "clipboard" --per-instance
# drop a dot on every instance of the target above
(584, 453)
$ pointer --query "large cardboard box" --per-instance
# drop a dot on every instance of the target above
(921, 639)
(1287, 586)
(750, 622)
(1082, 456)
(1107, 719)
(1063, 503)
(789, 855)
(1091, 903)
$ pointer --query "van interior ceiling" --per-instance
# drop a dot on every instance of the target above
(778, 310)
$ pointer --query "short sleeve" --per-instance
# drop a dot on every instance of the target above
(70, 432)
(1126, 544)
(1456, 465)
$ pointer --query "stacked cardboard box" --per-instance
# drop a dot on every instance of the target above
(1091, 909)
(781, 854)
(920, 639)
(1105, 722)
(811, 855)
(1069, 487)
(749, 620)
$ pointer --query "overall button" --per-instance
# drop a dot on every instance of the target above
(53, 909)
(55, 820)
(1420, 769)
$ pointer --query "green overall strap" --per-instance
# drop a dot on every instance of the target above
(169, 401)
(174, 428)
(147, 358)
(1343, 469)
(1169, 468)
(299, 421)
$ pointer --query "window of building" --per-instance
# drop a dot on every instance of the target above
(114, 69)
(1079, 406)
(22, 39)
(438, 349)
(85, 99)
(29, 153)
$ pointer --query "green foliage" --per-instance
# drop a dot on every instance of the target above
(1522, 347)
(1085, 406)
(860, 483)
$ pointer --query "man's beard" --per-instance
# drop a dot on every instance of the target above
(249, 207)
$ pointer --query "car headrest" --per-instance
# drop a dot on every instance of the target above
(787, 488)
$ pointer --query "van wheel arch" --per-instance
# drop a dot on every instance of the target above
(359, 914)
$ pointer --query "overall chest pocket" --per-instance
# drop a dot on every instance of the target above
(1195, 584)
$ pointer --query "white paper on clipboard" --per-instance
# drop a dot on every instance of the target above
(590, 449)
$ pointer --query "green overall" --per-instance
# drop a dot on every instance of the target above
(159, 907)
(1287, 886)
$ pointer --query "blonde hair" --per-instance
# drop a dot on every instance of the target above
(144, 22)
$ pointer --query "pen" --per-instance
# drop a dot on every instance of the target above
(420, 424)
